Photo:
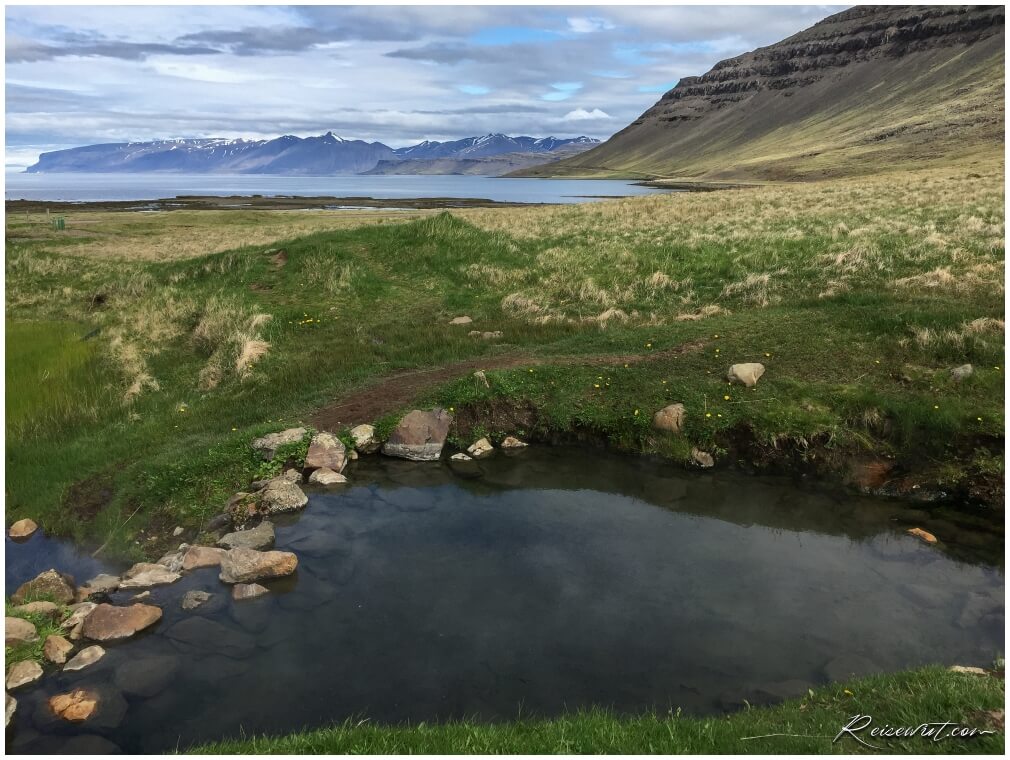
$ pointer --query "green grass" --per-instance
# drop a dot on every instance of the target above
(54, 378)
(858, 296)
(796, 727)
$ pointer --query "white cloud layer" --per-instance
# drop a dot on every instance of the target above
(88, 74)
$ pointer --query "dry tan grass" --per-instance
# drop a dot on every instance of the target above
(170, 235)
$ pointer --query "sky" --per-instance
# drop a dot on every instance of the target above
(77, 75)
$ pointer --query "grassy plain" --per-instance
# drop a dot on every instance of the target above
(800, 726)
(858, 295)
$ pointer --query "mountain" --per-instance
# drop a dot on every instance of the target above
(289, 155)
(485, 166)
(491, 145)
(863, 90)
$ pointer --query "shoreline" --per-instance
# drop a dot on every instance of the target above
(258, 202)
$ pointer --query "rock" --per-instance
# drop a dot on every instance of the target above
(84, 658)
(201, 556)
(256, 485)
(282, 496)
(670, 418)
(173, 560)
(365, 439)
(193, 599)
(242, 591)
(968, 669)
(324, 476)
(420, 436)
(23, 673)
(177, 531)
(10, 707)
(77, 706)
(146, 574)
(291, 475)
(201, 635)
(247, 565)
(511, 442)
(925, 535)
(49, 609)
(481, 449)
(55, 586)
(75, 623)
(110, 623)
(850, 666)
(23, 529)
(962, 373)
(702, 458)
(487, 335)
(747, 373)
(18, 631)
(100, 584)
(267, 445)
(464, 320)
(56, 649)
(146, 677)
(218, 522)
(352, 455)
(141, 595)
(326, 450)
(460, 457)
(260, 537)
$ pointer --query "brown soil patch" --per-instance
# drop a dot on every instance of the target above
(398, 390)
(86, 498)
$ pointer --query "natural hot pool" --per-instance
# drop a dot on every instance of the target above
(541, 582)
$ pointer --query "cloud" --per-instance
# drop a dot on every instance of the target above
(588, 24)
(397, 75)
(581, 114)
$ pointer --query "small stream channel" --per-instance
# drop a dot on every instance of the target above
(541, 582)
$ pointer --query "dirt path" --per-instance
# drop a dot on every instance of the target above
(398, 390)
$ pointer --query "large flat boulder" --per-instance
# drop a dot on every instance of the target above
(260, 537)
(249, 565)
(107, 622)
(420, 436)
(326, 450)
(267, 445)
(281, 495)
(23, 673)
(52, 585)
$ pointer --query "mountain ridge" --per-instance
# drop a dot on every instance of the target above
(285, 155)
(868, 87)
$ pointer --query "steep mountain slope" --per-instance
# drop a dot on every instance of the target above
(290, 155)
(865, 89)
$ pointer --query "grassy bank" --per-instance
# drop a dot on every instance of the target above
(799, 726)
(858, 296)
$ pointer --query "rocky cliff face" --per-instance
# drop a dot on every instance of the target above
(866, 75)
(857, 35)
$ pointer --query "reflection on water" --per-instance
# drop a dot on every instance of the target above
(542, 582)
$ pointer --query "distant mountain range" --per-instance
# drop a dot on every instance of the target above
(303, 156)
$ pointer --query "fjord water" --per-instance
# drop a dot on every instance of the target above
(537, 584)
(76, 187)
